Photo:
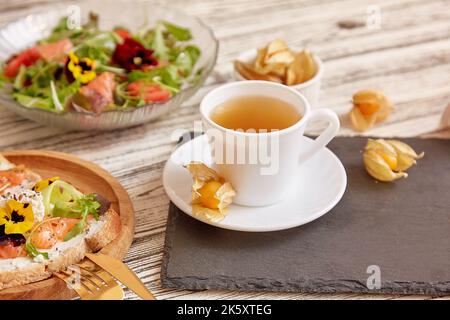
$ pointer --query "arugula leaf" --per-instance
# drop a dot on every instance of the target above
(61, 26)
(33, 252)
(103, 39)
(19, 81)
(84, 206)
(94, 52)
(66, 90)
(179, 33)
(89, 204)
(76, 230)
(61, 30)
(3, 80)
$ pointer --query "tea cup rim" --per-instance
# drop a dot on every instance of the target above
(206, 116)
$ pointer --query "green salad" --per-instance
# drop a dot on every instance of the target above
(90, 70)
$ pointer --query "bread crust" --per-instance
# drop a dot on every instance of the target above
(31, 273)
(90, 243)
(107, 233)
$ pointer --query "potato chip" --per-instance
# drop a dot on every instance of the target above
(276, 46)
(276, 69)
(285, 57)
(295, 72)
(308, 65)
(249, 73)
(260, 58)
(276, 62)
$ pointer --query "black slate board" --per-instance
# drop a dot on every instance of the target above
(402, 227)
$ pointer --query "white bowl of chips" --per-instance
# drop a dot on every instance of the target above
(299, 69)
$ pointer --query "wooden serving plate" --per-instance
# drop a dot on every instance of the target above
(89, 178)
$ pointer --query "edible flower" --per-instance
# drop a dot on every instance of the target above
(132, 55)
(17, 217)
(123, 33)
(211, 194)
(82, 69)
(41, 185)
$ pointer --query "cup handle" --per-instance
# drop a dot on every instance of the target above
(326, 136)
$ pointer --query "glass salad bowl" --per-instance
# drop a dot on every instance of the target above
(132, 15)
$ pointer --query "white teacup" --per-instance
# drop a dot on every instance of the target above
(274, 174)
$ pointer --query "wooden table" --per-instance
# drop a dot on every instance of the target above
(407, 56)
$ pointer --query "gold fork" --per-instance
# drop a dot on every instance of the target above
(91, 282)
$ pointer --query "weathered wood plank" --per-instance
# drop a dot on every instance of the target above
(408, 58)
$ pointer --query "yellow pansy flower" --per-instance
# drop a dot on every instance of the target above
(17, 217)
(82, 69)
(41, 185)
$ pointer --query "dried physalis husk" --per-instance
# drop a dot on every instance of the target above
(386, 160)
(369, 107)
(211, 194)
(406, 156)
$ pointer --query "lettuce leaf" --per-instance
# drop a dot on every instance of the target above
(186, 59)
(158, 43)
(34, 102)
(179, 33)
(167, 76)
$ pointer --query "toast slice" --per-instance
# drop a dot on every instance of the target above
(29, 180)
(24, 270)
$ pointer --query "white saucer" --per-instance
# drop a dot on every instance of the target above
(321, 186)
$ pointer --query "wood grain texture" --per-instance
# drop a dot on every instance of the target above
(88, 178)
(407, 57)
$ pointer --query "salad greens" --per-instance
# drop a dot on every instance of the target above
(90, 70)
(62, 200)
(32, 251)
(80, 209)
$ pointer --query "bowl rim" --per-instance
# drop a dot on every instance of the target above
(251, 55)
(57, 6)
